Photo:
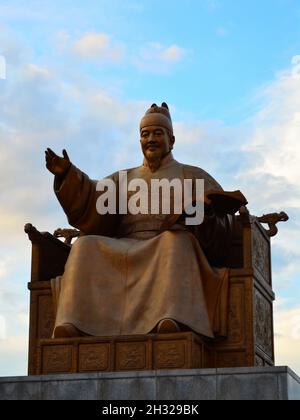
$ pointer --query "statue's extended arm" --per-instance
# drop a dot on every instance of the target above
(77, 195)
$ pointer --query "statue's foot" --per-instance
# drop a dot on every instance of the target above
(167, 326)
(67, 331)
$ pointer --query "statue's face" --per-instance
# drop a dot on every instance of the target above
(156, 142)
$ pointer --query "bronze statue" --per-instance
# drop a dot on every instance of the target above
(136, 274)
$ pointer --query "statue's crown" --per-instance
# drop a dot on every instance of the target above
(163, 109)
(158, 115)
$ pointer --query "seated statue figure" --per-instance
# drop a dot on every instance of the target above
(130, 274)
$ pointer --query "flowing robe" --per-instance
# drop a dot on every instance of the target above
(126, 274)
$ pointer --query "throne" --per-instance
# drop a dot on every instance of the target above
(249, 341)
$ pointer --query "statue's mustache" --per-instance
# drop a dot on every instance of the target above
(151, 144)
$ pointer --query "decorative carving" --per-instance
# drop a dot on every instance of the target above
(261, 254)
(236, 320)
(57, 359)
(68, 234)
(259, 361)
(31, 231)
(130, 356)
(46, 316)
(272, 220)
(170, 355)
(93, 357)
(175, 351)
(263, 331)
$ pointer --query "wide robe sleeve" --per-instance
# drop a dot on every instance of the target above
(214, 234)
(78, 197)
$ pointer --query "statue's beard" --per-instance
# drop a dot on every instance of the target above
(154, 160)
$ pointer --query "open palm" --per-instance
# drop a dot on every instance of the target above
(55, 164)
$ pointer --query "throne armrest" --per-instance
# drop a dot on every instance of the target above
(49, 255)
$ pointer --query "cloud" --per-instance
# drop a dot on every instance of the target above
(14, 352)
(296, 66)
(158, 58)
(222, 32)
(90, 47)
(2, 328)
(98, 46)
(287, 336)
(101, 48)
(3, 268)
(172, 54)
(276, 136)
(2, 67)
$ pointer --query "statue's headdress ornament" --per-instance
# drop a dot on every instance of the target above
(158, 115)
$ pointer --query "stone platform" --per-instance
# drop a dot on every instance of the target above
(124, 353)
(274, 383)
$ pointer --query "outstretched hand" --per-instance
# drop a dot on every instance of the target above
(55, 164)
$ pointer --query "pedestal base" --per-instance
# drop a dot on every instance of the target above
(212, 384)
(124, 353)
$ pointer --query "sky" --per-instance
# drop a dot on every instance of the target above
(79, 75)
